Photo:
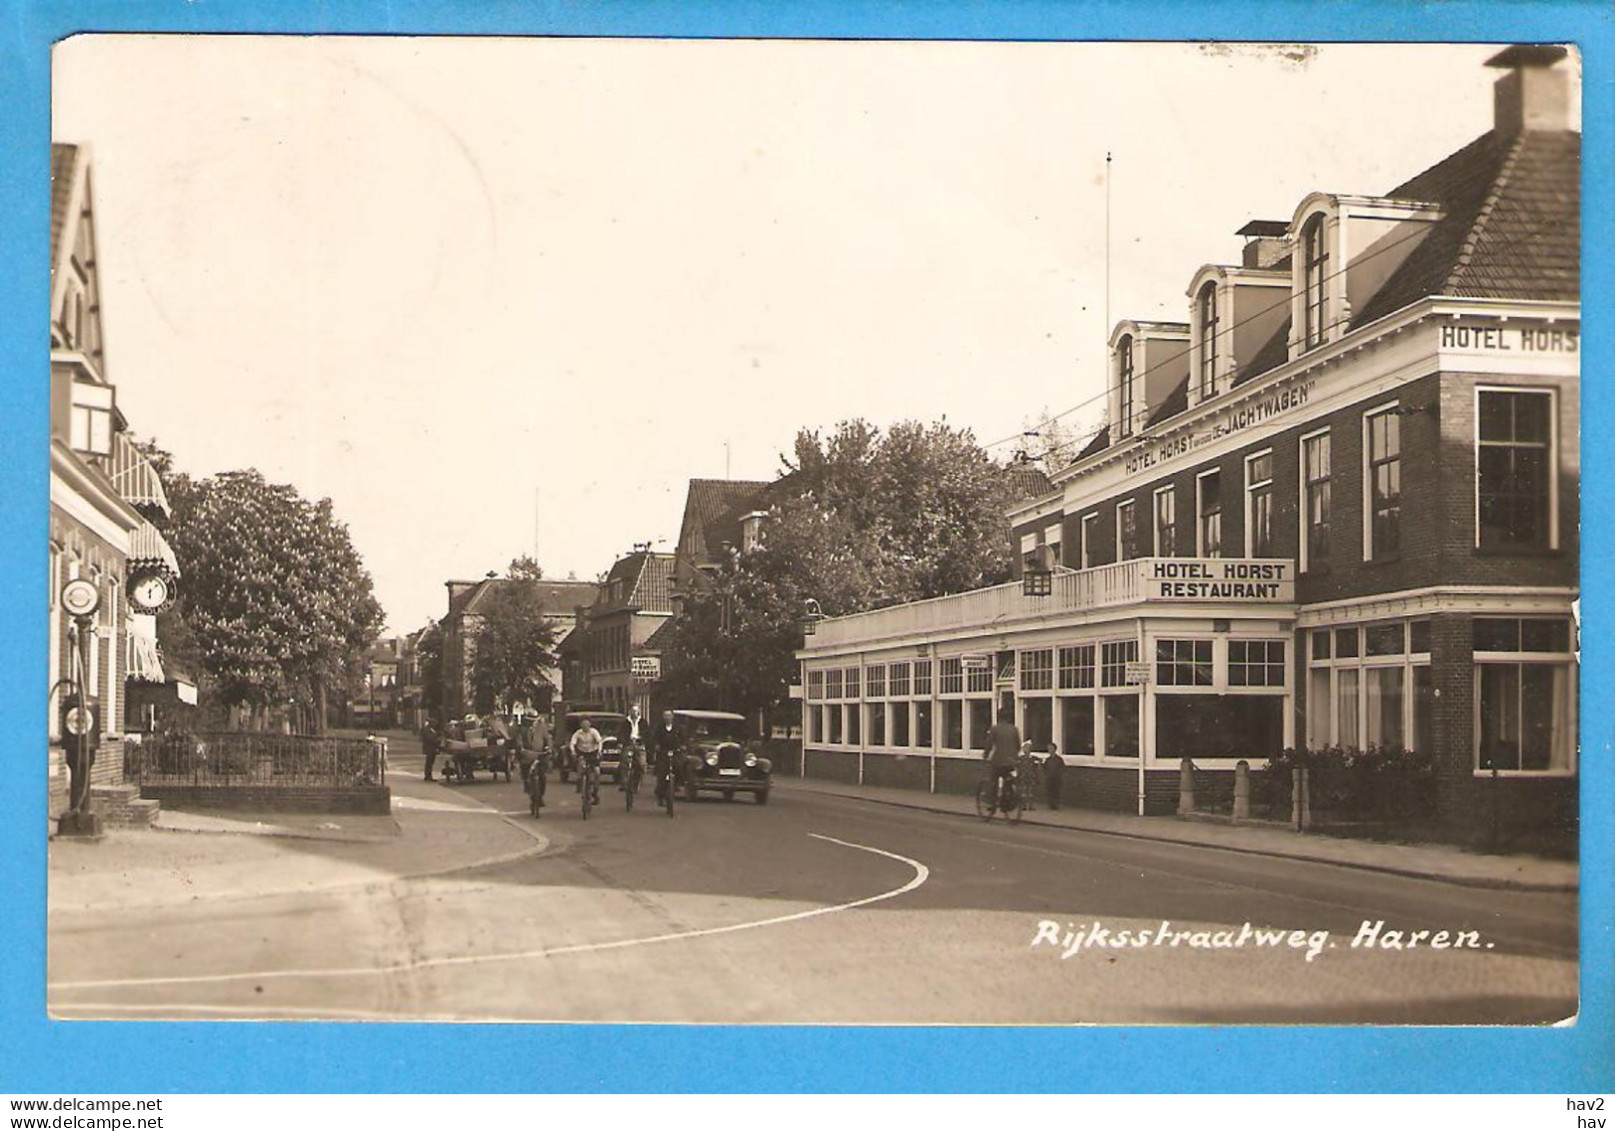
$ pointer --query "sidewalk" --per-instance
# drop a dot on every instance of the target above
(1445, 863)
(246, 855)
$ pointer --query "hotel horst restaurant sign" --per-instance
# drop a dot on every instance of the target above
(1234, 580)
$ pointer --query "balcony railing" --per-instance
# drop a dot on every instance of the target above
(1143, 581)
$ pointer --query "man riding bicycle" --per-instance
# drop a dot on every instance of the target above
(634, 755)
(1001, 751)
(666, 743)
(585, 745)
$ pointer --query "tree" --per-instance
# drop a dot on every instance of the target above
(863, 519)
(513, 648)
(429, 658)
(273, 590)
(525, 568)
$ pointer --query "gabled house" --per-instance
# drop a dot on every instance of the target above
(468, 601)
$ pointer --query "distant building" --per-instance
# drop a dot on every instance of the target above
(635, 600)
(721, 517)
(467, 607)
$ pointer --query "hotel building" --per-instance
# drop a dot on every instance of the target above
(1337, 506)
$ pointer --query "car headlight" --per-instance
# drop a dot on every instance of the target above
(712, 757)
(751, 758)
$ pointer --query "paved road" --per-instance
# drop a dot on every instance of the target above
(815, 909)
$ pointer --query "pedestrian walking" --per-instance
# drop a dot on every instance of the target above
(431, 744)
(1026, 769)
(1053, 771)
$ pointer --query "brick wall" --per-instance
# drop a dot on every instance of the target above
(832, 765)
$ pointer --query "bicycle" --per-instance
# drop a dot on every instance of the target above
(535, 780)
(631, 776)
(1007, 799)
(590, 779)
(666, 780)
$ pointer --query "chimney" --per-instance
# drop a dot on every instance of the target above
(1266, 242)
(1534, 94)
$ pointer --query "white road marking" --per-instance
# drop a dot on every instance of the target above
(921, 874)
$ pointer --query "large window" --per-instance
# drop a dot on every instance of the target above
(1126, 530)
(953, 724)
(1037, 722)
(1076, 667)
(1183, 663)
(875, 681)
(1209, 489)
(1077, 724)
(1124, 386)
(1314, 282)
(1259, 505)
(1121, 726)
(1369, 685)
(1115, 656)
(951, 676)
(1207, 318)
(1256, 663)
(1514, 465)
(1037, 670)
(815, 684)
(1315, 476)
(1382, 472)
(899, 680)
(877, 724)
(1525, 718)
(1166, 523)
(1089, 536)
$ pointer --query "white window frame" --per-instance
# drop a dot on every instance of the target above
(1538, 659)
(1121, 545)
(1367, 471)
(1408, 661)
(1171, 494)
(1199, 514)
(1250, 487)
(1552, 393)
(1085, 534)
(1301, 495)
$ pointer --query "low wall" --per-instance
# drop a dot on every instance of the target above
(273, 799)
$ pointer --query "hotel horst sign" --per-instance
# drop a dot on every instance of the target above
(1280, 403)
(1234, 580)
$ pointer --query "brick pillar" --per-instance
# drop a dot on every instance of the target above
(1452, 663)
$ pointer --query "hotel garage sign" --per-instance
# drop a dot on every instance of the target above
(1239, 581)
(1280, 403)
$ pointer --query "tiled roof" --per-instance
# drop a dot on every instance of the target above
(659, 639)
(1100, 441)
(712, 512)
(646, 583)
(654, 592)
(1175, 402)
(1512, 228)
(1026, 482)
(1274, 353)
(560, 598)
(63, 158)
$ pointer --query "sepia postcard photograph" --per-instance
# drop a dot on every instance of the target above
(813, 532)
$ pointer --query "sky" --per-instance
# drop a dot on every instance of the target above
(508, 296)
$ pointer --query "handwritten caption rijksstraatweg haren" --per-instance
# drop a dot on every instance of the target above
(1068, 940)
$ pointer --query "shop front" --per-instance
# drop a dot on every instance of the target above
(1122, 671)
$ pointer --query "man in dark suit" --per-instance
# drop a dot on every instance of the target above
(665, 743)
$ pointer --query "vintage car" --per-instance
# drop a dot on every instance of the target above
(614, 730)
(473, 744)
(720, 756)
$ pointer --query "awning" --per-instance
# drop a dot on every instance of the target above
(134, 476)
(148, 547)
(145, 665)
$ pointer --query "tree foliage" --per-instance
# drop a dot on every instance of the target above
(863, 519)
(525, 568)
(429, 658)
(274, 593)
(513, 647)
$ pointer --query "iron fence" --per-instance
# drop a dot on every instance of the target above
(235, 758)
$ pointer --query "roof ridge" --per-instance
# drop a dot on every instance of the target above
(1471, 244)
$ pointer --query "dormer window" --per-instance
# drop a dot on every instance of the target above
(1315, 274)
(90, 428)
(1124, 383)
(1206, 321)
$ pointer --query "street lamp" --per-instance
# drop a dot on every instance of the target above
(1037, 579)
(812, 614)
